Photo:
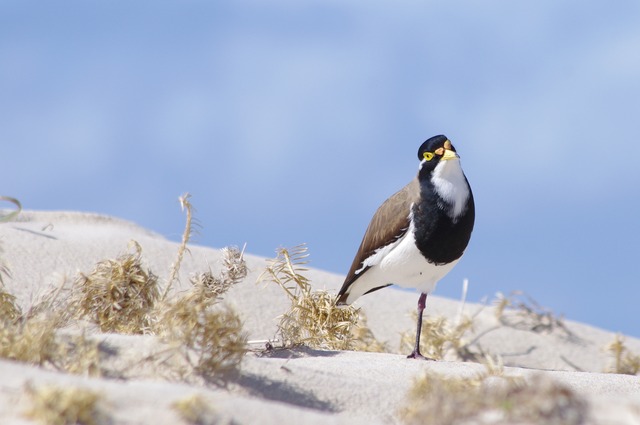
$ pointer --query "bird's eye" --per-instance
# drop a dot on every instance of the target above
(428, 156)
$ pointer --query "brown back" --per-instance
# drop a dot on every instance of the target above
(389, 223)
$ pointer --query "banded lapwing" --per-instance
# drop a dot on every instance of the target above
(417, 235)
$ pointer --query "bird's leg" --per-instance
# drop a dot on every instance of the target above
(415, 354)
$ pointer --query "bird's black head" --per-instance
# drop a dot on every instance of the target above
(434, 150)
(434, 146)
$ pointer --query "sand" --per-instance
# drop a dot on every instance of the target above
(302, 385)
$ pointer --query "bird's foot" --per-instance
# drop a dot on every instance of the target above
(417, 355)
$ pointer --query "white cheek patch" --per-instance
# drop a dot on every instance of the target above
(422, 162)
(448, 180)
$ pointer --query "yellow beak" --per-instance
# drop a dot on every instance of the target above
(449, 154)
(446, 152)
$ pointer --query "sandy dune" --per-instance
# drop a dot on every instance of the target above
(43, 249)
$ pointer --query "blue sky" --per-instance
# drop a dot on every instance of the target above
(292, 121)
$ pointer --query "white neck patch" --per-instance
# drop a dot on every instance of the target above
(450, 183)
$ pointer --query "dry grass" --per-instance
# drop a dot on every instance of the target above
(31, 337)
(53, 405)
(234, 270)
(13, 214)
(186, 236)
(440, 338)
(491, 398)
(313, 318)
(10, 312)
(195, 410)
(4, 269)
(118, 295)
(211, 336)
(34, 340)
(212, 339)
(623, 361)
(520, 311)
(364, 339)
(80, 355)
(31, 340)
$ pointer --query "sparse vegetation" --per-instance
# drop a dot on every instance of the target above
(30, 337)
(4, 268)
(13, 214)
(30, 340)
(9, 310)
(211, 339)
(364, 339)
(234, 270)
(33, 339)
(195, 410)
(520, 311)
(441, 338)
(52, 405)
(121, 295)
(491, 398)
(118, 295)
(313, 318)
(80, 355)
(210, 335)
(185, 204)
(624, 361)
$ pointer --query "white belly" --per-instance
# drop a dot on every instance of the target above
(401, 264)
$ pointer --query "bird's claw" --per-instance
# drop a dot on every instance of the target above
(417, 355)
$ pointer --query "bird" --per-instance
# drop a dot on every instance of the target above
(418, 234)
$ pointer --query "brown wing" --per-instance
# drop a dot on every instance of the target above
(389, 223)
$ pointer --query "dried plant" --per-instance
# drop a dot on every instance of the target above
(493, 366)
(520, 311)
(195, 410)
(80, 355)
(53, 405)
(9, 310)
(286, 270)
(313, 318)
(212, 336)
(34, 340)
(489, 398)
(118, 295)
(31, 337)
(186, 236)
(234, 270)
(364, 339)
(4, 269)
(623, 361)
(13, 214)
(440, 338)
(31, 340)
(234, 267)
